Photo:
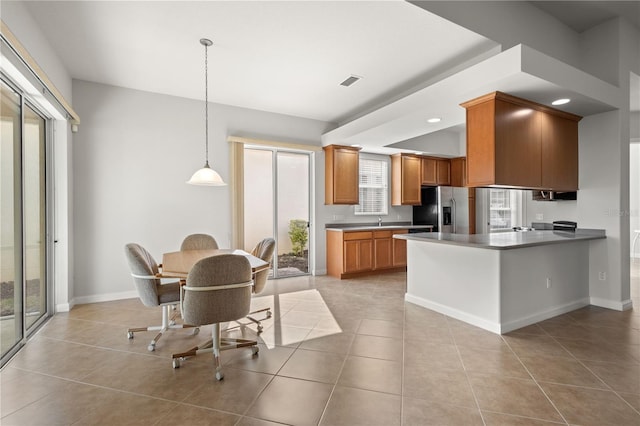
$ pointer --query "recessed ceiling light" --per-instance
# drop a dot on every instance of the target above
(561, 101)
(355, 145)
(434, 120)
(350, 80)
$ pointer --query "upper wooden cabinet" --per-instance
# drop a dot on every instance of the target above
(435, 171)
(517, 143)
(429, 174)
(341, 164)
(559, 153)
(443, 168)
(405, 179)
(459, 172)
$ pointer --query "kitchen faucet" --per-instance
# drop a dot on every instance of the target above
(379, 220)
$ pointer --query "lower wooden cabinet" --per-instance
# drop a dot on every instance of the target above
(382, 244)
(400, 249)
(353, 253)
(357, 256)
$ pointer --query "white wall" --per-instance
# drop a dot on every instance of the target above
(132, 156)
(25, 28)
(511, 23)
(634, 199)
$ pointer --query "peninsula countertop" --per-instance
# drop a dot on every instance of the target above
(506, 240)
(383, 227)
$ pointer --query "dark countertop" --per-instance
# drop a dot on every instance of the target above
(340, 227)
(506, 240)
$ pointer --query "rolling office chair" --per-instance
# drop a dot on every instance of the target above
(152, 292)
(218, 290)
(198, 242)
(264, 250)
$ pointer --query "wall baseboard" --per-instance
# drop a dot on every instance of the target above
(612, 304)
(454, 313)
(319, 272)
(64, 307)
(544, 315)
(497, 327)
(108, 297)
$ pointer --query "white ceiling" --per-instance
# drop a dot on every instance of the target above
(582, 15)
(289, 57)
(284, 57)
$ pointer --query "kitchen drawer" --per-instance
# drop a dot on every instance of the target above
(362, 235)
(382, 234)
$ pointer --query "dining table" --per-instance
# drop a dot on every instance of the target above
(177, 264)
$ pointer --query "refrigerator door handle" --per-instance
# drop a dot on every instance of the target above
(453, 215)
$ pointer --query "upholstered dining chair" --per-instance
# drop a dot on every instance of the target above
(218, 290)
(152, 292)
(198, 242)
(264, 250)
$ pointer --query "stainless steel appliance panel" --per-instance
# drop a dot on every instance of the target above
(444, 207)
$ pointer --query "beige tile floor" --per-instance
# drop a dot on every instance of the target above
(348, 352)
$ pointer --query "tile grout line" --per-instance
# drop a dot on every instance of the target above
(609, 388)
(464, 368)
(534, 379)
(404, 323)
(344, 362)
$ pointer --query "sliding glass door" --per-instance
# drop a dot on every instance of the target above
(23, 233)
(276, 204)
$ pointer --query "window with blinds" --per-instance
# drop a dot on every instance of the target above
(373, 187)
(505, 209)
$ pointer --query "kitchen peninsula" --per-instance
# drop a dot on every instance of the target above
(501, 281)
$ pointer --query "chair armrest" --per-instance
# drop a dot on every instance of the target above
(219, 287)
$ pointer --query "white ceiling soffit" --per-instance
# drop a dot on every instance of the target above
(286, 57)
(519, 71)
(582, 15)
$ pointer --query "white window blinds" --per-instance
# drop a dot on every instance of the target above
(505, 209)
(373, 187)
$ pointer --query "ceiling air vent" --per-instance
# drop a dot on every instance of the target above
(350, 80)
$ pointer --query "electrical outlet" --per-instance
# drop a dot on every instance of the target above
(548, 282)
(602, 276)
(539, 216)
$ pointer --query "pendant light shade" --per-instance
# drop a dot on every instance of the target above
(206, 176)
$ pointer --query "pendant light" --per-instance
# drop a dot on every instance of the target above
(206, 176)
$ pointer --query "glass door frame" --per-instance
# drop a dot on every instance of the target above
(19, 184)
(274, 170)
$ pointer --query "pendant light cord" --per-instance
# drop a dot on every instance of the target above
(206, 105)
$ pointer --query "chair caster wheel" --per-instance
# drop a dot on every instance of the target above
(176, 363)
(260, 328)
(269, 314)
(255, 350)
(195, 331)
(129, 334)
(219, 375)
(151, 347)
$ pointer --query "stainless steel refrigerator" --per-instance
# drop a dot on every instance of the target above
(444, 207)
